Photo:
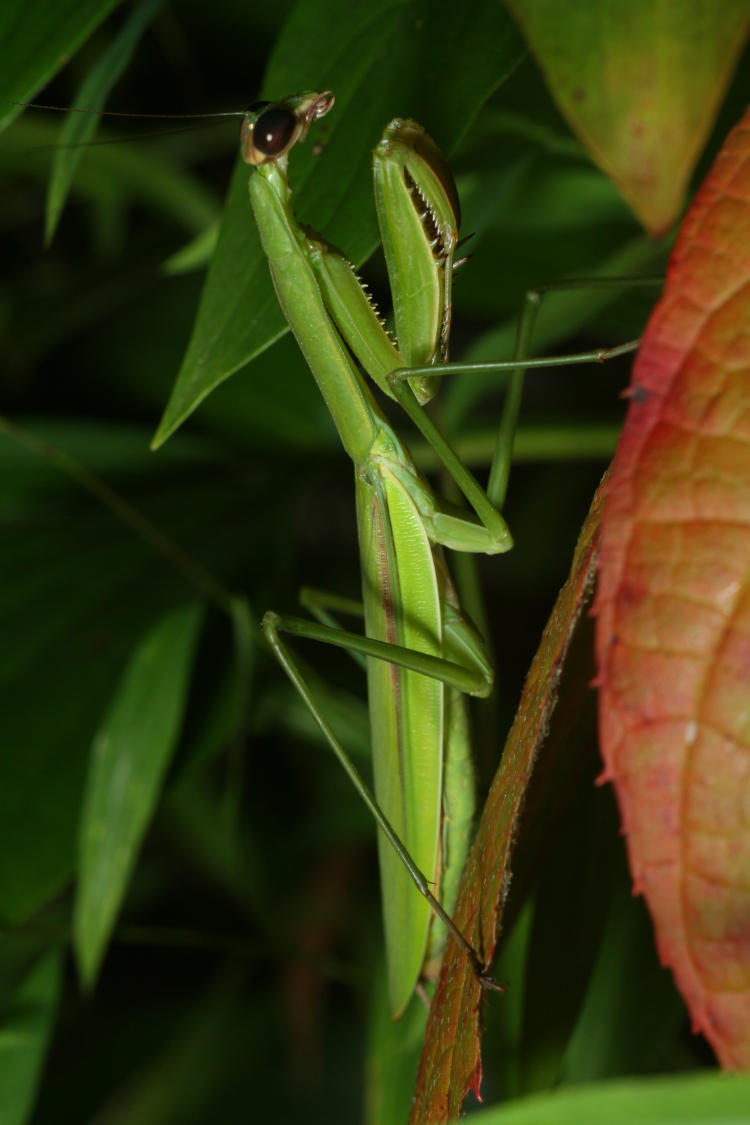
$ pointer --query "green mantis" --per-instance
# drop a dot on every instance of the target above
(422, 653)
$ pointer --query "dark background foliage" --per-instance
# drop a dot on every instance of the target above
(239, 979)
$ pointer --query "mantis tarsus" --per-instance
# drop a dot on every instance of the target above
(422, 653)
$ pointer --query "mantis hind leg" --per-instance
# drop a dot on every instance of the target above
(273, 627)
(320, 603)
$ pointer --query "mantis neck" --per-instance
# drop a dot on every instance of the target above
(355, 413)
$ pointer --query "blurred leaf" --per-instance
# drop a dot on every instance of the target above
(77, 590)
(239, 694)
(114, 175)
(36, 39)
(632, 1013)
(80, 127)
(130, 756)
(393, 1052)
(562, 313)
(450, 1063)
(24, 1032)
(571, 903)
(116, 451)
(641, 84)
(332, 46)
(91, 335)
(705, 1099)
(674, 611)
(184, 1074)
(196, 254)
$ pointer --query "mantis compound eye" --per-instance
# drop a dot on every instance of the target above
(274, 130)
(271, 128)
(268, 135)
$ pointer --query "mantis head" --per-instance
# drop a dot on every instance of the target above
(271, 129)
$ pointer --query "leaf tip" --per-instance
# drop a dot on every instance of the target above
(87, 956)
(162, 433)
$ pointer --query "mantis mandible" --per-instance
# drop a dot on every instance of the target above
(423, 654)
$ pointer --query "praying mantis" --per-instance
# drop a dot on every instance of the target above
(423, 654)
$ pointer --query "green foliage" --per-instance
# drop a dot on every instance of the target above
(237, 984)
(129, 759)
(80, 127)
(29, 1014)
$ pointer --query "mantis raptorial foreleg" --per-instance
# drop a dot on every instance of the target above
(422, 653)
(517, 367)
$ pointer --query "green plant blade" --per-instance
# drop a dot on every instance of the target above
(640, 84)
(131, 752)
(76, 595)
(24, 1034)
(114, 177)
(708, 1099)
(393, 1051)
(79, 128)
(329, 45)
(35, 40)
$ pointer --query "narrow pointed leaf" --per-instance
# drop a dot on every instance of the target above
(24, 1033)
(451, 1064)
(696, 1099)
(331, 45)
(640, 83)
(131, 753)
(36, 40)
(674, 611)
(79, 128)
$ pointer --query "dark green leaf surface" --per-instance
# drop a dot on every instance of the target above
(80, 127)
(25, 1030)
(113, 174)
(36, 39)
(130, 756)
(70, 617)
(701, 1100)
(641, 84)
(244, 961)
(377, 68)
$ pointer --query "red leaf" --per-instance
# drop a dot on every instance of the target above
(673, 628)
(450, 1064)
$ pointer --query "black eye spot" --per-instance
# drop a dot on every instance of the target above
(274, 130)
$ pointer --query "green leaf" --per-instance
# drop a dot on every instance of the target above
(393, 1053)
(81, 126)
(76, 593)
(710, 1099)
(36, 39)
(566, 932)
(196, 254)
(641, 84)
(24, 1034)
(332, 45)
(113, 176)
(131, 753)
(630, 984)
